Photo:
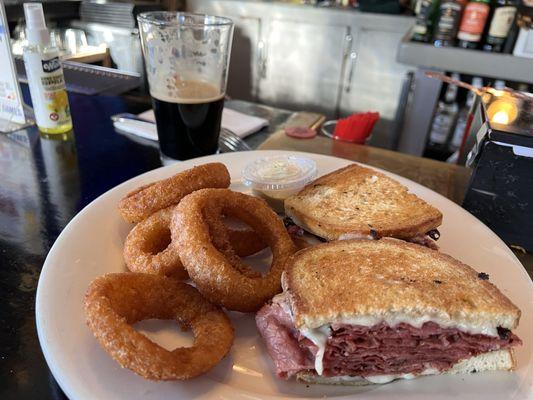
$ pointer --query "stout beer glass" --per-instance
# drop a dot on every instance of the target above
(186, 58)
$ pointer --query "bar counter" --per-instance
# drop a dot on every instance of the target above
(46, 181)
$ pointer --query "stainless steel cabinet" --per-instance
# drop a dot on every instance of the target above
(303, 66)
(374, 78)
(301, 57)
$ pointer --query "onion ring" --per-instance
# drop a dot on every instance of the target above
(148, 247)
(116, 301)
(219, 277)
(148, 199)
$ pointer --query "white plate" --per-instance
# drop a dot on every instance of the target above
(91, 245)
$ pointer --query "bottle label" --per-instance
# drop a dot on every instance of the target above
(457, 138)
(422, 16)
(441, 128)
(448, 21)
(51, 65)
(421, 29)
(501, 21)
(473, 22)
(47, 89)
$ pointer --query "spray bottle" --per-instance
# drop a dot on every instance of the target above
(45, 75)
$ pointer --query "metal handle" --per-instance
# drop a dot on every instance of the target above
(261, 59)
(351, 60)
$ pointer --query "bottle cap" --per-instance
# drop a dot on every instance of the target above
(477, 82)
(499, 84)
(36, 30)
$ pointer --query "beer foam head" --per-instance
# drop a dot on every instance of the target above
(177, 90)
(186, 55)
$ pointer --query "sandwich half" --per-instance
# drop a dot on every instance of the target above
(358, 202)
(372, 311)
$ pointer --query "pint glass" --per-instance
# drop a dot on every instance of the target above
(186, 58)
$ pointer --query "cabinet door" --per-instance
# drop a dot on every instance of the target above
(242, 75)
(373, 77)
(303, 64)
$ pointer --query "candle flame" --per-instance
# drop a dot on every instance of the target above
(501, 117)
(502, 111)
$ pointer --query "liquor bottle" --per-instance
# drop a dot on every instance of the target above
(511, 37)
(445, 117)
(503, 17)
(523, 87)
(425, 16)
(523, 21)
(459, 131)
(473, 23)
(447, 23)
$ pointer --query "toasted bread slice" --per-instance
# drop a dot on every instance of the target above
(366, 282)
(499, 360)
(358, 200)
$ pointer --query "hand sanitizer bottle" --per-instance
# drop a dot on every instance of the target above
(45, 75)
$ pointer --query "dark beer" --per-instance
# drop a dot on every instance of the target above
(188, 126)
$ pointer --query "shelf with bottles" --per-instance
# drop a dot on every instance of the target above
(447, 129)
(488, 25)
(465, 61)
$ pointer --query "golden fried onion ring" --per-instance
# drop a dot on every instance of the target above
(217, 274)
(116, 301)
(148, 199)
(148, 247)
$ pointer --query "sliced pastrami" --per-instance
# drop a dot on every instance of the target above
(355, 350)
(281, 338)
(381, 349)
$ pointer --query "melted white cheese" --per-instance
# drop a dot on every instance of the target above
(417, 322)
(319, 337)
(355, 236)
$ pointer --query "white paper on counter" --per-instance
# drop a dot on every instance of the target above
(241, 124)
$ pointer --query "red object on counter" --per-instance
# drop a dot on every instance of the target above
(356, 128)
(300, 132)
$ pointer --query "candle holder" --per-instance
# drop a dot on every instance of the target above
(500, 192)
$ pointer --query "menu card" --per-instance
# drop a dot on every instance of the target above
(11, 103)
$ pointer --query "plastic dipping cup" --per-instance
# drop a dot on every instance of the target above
(277, 177)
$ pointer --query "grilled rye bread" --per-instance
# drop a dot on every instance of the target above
(361, 201)
(392, 279)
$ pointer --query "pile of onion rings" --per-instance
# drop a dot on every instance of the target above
(208, 258)
(148, 247)
(183, 230)
(116, 301)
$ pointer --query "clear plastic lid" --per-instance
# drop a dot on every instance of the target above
(279, 172)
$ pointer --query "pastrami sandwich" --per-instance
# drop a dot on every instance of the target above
(358, 202)
(371, 311)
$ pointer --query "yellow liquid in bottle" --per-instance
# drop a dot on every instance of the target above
(57, 129)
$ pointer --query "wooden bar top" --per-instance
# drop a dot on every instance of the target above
(447, 179)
